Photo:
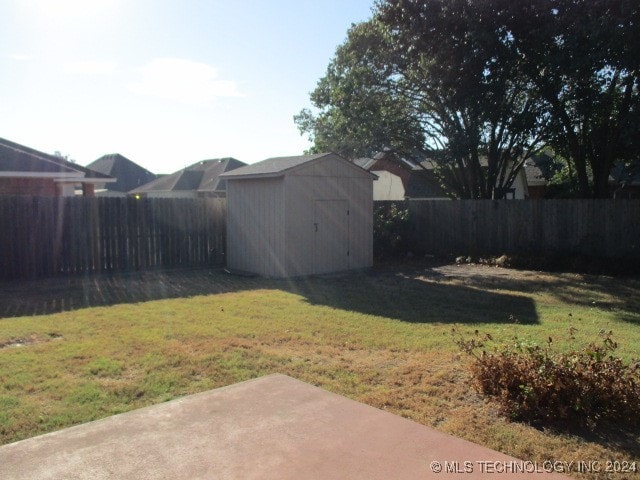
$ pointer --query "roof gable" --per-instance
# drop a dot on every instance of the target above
(188, 180)
(211, 180)
(202, 176)
(127, 173)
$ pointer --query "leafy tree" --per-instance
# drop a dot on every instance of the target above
(360, 111)
(481, 85)
(430, 78)
(563, 183)
(581, 57)
(67, 157)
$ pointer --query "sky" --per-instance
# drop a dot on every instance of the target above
(166, 83)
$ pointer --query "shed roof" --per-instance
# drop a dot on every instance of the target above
(203, 176)
(278, 166)
(17, 160)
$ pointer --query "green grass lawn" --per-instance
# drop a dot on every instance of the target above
(383, 338)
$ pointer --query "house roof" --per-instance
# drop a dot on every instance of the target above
(625, 174)
(203, 176)
(365, 162)
(20, 161)
(278, 166)
(539, 169)
(128, 174)
(418, 182)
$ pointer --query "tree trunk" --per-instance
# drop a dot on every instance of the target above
(601, 168)
(583, 178)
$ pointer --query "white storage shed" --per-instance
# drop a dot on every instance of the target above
(304, 215)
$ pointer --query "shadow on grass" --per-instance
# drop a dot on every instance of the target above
(620, 295)
(617, 439)
(53, 295)
(611, 437)
(387, 293)
(412, 300)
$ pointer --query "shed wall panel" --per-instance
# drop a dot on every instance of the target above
(301, 194)
(271, 227)
(255, 229)
(331, 236)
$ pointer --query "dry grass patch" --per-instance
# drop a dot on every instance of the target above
(381, 338)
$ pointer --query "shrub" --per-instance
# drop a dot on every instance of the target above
(584, 388)
(390, 229)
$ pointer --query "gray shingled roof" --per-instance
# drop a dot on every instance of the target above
(539, 169)
(16, 158)
(273, 166)
(364, 162)
(202, 176)
(128, 174)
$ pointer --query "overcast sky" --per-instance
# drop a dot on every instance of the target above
(166, 83)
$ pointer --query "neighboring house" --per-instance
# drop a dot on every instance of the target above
(539, 170)
(400, 179)
(202, 179)
(303, 215)
(518, 190)
(25, 171)
(625, 180)
(128, 174)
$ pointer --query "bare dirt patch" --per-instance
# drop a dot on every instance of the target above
(29, 340)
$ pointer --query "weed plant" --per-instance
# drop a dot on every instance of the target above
(587, 387)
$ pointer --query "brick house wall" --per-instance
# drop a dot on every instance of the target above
(392, 167)
(44, 187)
(537, 191)
(28, 186)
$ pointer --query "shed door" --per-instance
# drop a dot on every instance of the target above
(331, 240)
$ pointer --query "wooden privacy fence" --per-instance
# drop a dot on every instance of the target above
(602, 228)
(46, 236)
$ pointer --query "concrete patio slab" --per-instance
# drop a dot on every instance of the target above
(274, 427)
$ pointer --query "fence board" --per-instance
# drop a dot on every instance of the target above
(601, 228)
(46, 236)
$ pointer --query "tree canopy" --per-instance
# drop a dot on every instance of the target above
(361, 111)
(581, 57)
(479, 86)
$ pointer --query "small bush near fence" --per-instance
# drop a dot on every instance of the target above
(588, 236)
(390, 230)
(584, 388)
